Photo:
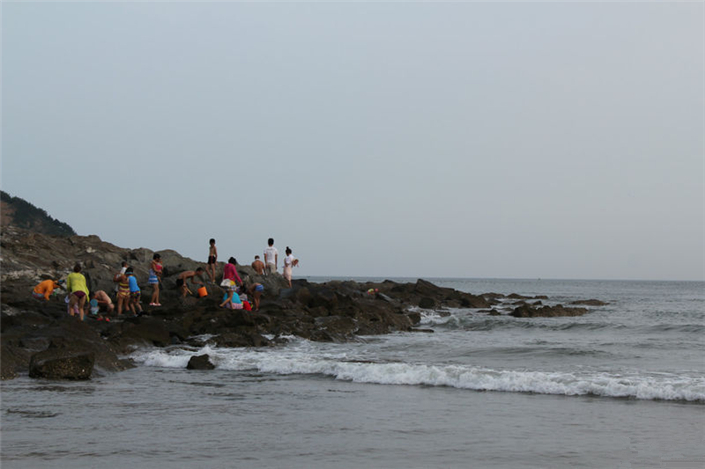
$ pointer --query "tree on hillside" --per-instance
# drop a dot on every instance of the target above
(27, 216)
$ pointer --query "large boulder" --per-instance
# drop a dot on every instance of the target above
(56, 363)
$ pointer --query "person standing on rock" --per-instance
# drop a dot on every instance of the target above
(271, 257)
(123, 268)
(289, 262)
(182, 280)
(212, 259)
(229, 276)
(135, 293)
(78, 291)
(155, 275)
(123, 291)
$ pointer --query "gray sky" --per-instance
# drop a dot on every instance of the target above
(521, 140)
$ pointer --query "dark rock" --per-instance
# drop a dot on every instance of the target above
(56, 363)
(200, 362)
(491, 312)
(589, 303)
(527, 311)
(516, 296)
(427, 303)
(244, 338)
(414, 317)
(337, 328)
(148, 330)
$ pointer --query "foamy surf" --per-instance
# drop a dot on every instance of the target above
(340, 366)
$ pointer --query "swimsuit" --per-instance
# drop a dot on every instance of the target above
(123, 289)
(153, 279)
(211, 259)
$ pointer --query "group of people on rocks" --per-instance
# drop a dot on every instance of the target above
(128, 293)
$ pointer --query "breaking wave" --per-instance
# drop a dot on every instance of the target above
(652, 386)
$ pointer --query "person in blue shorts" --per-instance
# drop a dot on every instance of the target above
(256, 290)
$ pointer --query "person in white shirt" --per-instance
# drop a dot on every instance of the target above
(271, 257)
(289, 262)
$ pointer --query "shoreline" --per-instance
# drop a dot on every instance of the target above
(39, 338)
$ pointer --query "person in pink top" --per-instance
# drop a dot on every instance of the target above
(230, 280)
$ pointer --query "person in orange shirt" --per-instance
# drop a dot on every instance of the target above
(44, 290)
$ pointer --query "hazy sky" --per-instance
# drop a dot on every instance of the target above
(522, 140)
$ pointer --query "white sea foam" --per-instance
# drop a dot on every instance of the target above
(433, 318)
(301, 360)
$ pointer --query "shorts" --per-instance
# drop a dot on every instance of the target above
(135, 295)
(179, 282)
(79, 294)
(211, 259)
(259, 288)
(271, 268)
(153, 280)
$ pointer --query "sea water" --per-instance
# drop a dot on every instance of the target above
(622, 386)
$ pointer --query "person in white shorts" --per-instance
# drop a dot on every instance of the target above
(271, 256)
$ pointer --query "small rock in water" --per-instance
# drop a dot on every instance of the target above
(200, 362)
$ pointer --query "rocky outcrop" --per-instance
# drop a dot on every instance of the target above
(526, 311)
(40, 336)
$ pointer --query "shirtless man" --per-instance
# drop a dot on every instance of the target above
(104, 301)
(212, 259)
(182, 280)
(258, 265)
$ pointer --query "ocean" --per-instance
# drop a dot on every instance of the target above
(620, 387)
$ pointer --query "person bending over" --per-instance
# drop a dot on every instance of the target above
(193, 275)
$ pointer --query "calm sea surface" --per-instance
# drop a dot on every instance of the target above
(621, 387)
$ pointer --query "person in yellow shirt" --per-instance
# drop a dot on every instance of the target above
(44, 290)
(78, 291)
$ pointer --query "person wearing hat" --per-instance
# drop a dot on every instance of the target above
(44, 290)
